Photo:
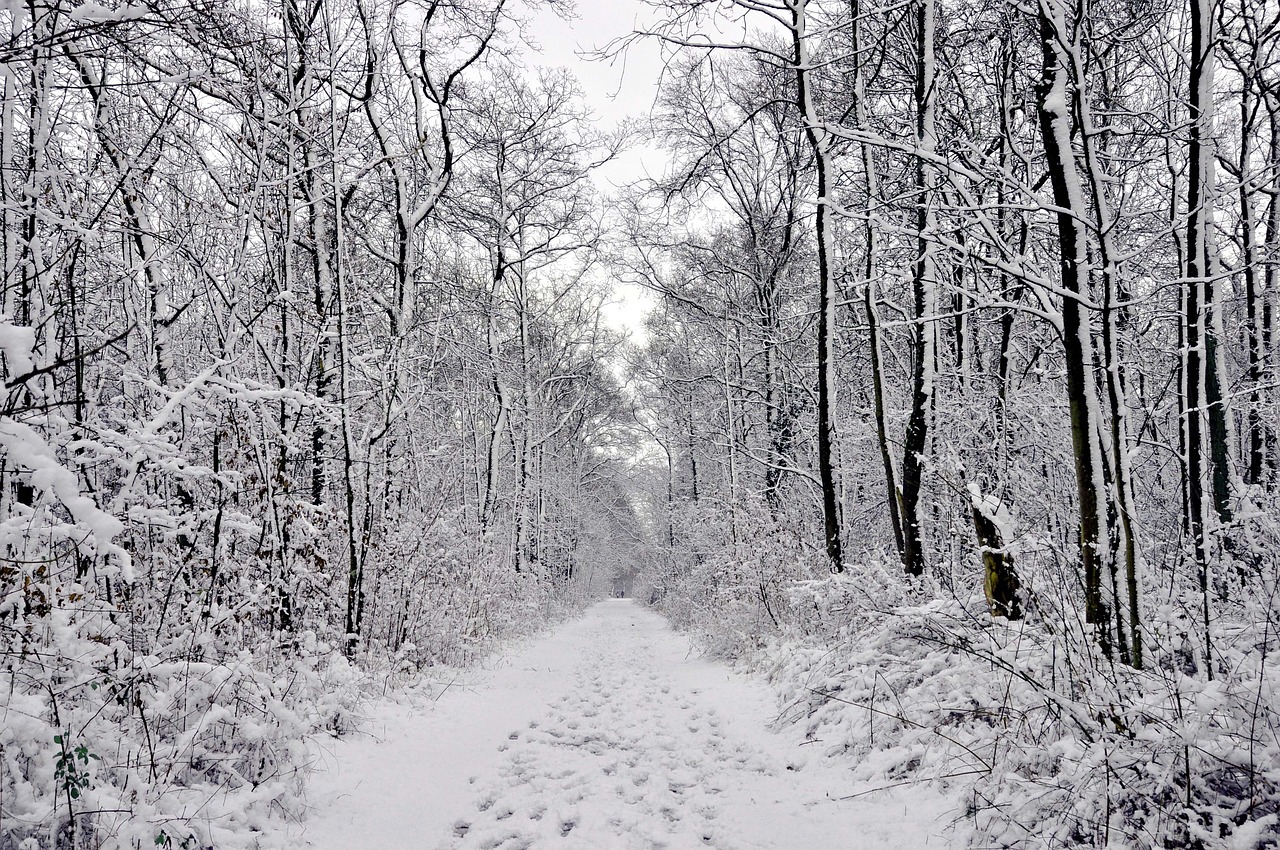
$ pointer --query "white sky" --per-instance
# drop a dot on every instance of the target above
(617, 90)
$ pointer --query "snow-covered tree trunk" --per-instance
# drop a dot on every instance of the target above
(1270, 303)
(820, 142)
(1122, 586)
(870, 272)
(1203, 406)
(924, 284)
(1057, 129)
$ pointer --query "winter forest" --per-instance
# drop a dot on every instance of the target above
(952, 412)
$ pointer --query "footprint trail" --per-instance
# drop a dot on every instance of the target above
(610, 734)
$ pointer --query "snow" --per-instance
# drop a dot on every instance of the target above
(995, 511)
(37, 462)
(98, 13)
(609, 733)
(16, 343)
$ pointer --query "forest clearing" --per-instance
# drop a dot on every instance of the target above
(909, 366)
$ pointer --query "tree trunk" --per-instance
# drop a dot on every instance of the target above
(1000, 578)
(924, 297)
(1057, 129)
(870, 250)
(820, 142)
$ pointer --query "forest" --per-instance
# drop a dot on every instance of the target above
(954, 415)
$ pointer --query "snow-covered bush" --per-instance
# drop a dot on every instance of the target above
(172, 749)
(731, 597)
(1038, 739)
(148, 701)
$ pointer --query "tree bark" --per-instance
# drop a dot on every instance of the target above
(1057, 130)
(924, 296)
(820, 142)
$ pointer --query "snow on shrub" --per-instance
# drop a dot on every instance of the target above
(1037, 738)
(1040, 742)
(182, 743)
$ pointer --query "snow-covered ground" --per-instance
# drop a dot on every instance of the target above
(610, 733)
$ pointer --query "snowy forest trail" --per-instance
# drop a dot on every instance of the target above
(610, 733)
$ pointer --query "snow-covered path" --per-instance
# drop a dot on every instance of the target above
(608, 734)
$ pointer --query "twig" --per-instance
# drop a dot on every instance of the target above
(911, 782)
(902, 719)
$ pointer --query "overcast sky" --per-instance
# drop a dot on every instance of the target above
(623, 88)
(618, 89)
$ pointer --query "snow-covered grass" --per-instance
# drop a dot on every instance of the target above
(1038, 739)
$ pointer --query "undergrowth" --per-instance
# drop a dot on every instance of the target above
(119, 732)
(1036, 737)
